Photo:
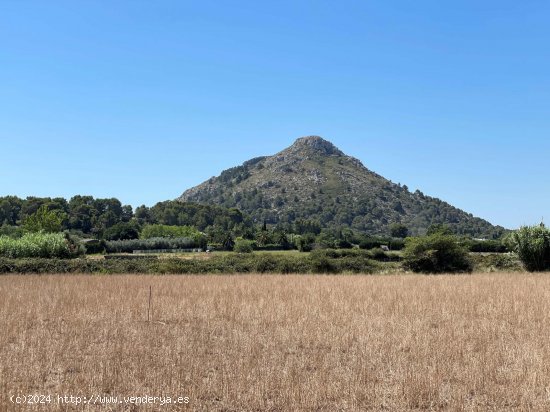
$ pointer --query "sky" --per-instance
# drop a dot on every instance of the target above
(142, 100)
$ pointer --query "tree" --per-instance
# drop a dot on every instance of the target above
(437, 253)
(127, 213)
(243, 246)
(439, 228)
(44, 220)
(399, 230)
(228, 243)
(264, 237)
(304, 243)
(10, 210)
(122, 231)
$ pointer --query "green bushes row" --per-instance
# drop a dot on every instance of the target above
(317, 262)
(485, 246)
(153, 231)
(45, 245)
(496, 262)
(128, 246)
(78, 265)
(376, 242)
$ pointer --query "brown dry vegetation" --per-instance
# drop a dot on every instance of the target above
(255, 343)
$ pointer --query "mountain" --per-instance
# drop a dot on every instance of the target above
(314, 180)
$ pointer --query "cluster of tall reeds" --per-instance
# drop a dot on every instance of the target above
(532, 244)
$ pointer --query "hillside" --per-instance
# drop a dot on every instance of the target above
(314, 180)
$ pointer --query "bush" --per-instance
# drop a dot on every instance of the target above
(45, 245)
(376, 242)
(496, 262)
(341, 260)
(94, 246)
(128, 246)
(152, 231)
(79, 265)
(322, 261)
(437, 253)
(396, 244)
(243, 246)
(122, 231)
(11, 231)
(44, 220)
(532, 244)
(343, 244)
(372, 242)
(485, 246)
(304, 243)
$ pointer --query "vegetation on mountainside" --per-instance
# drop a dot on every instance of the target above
(313, 180)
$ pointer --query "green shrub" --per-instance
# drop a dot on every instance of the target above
(485, 246)
(341, 260)
(343, 244)
(243, 246)
(128, 246)
(44, 220)
(532, 244)
(304, 243)
(378, 254)
(153, 231)
(396, 244)
(45, 245)
(11, 231)
(496, 262)
(376, 242)
(266, 264)
(94, 246)
(437, 253)
(122, 231)
(322, 261)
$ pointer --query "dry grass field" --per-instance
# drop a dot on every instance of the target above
(280, 343)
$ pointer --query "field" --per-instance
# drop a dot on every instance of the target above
(279, 343)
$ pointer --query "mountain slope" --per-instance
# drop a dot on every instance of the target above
(314, 180)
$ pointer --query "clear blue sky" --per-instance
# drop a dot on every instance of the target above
(141, 100)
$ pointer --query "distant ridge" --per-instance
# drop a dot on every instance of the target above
(313, 179)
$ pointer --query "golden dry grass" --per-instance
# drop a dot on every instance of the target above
(284, 343)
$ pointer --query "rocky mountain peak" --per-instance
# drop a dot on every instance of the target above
(315, 144)
(313, 180)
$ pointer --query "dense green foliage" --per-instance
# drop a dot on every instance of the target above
(233, 263)
(44, 220)
(532, 244)
(109, 219)
(437, 253)
(202, 217)
(243, 246)
(128, 246)
(151, 231)
(324, 261)
(399, 230)
(370, 242)
(81, 213)
(45, 245)
(122, 231)
(11, 231)
(485, 246)
(496, 262)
